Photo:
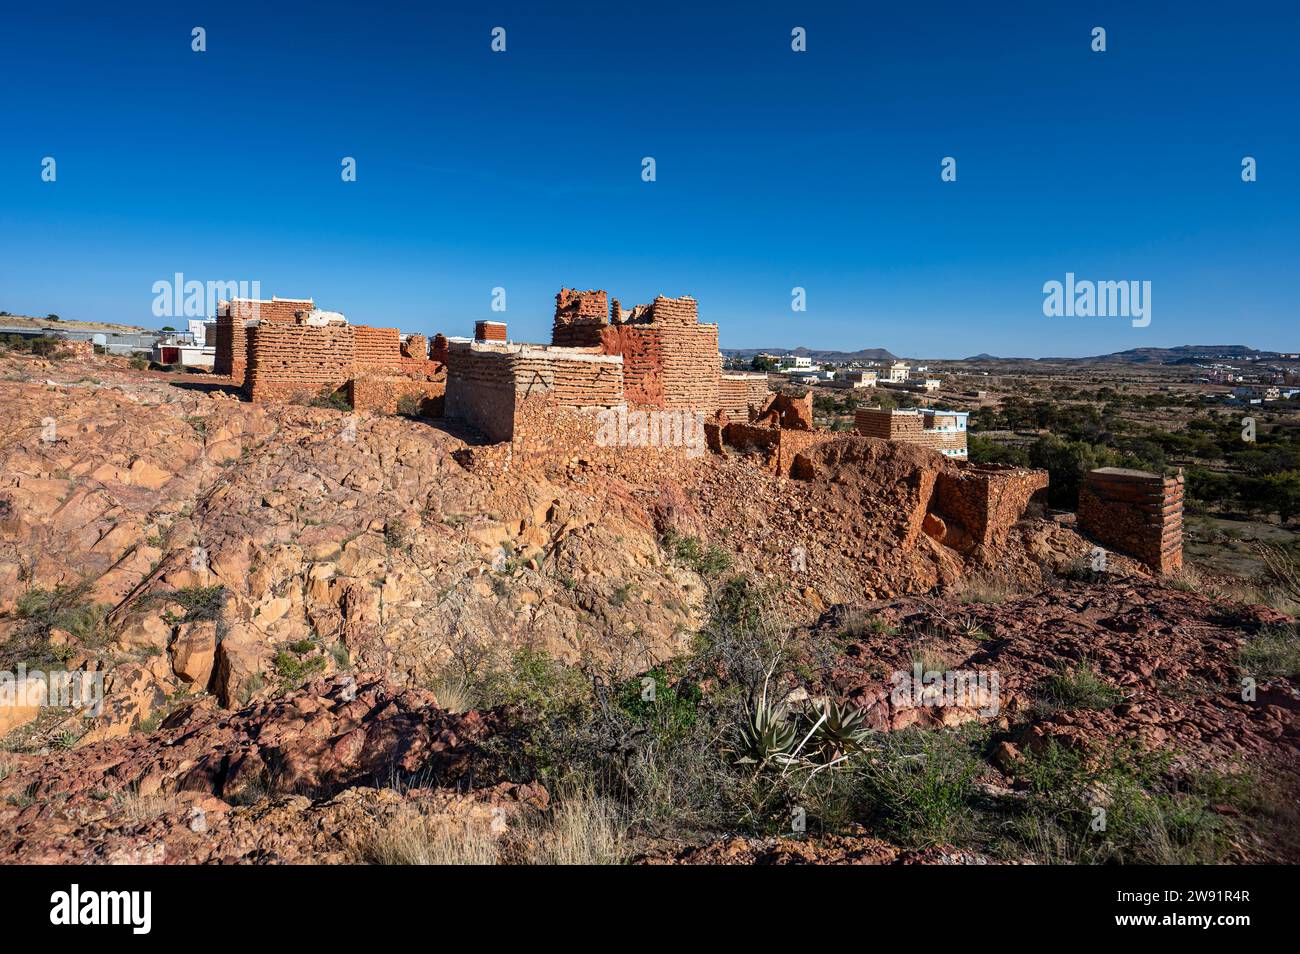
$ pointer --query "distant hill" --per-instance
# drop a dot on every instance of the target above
(1182, 354)
(30, 321)
(866, 354)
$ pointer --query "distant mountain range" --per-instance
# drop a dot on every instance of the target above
(1183, 354)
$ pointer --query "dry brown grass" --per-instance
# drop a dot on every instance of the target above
(145, 808)
(583, 829)
(453, 693)
(986, 588)
(413, 838)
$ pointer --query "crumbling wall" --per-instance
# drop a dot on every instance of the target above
(777, 446)
(77, 350)
(230, 342)
(643, 362)
(376, 392)
(579, 318)
(785, 411)
(377, 349)
(741, 396)
(1136, 513)
(976, 506)
(288, 361)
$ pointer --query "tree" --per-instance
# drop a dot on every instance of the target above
(761, 363)
(53, 317)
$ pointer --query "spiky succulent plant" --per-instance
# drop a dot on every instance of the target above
(766, 733)
(841, 729)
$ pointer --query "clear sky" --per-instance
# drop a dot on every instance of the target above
(775, 169)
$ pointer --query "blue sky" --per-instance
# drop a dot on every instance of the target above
(775, 169)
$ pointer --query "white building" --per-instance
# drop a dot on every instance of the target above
(897, 372)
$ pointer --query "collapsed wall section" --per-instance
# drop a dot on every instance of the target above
(1136, 513)
(976, 506)
(579, 318)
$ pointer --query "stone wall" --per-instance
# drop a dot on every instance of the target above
(376, 392)
(741, 396)
(77, 350)
(579, 318)
(1136, 513)
(230, 342)
(486, 381)
(290, 361)
(643, 361)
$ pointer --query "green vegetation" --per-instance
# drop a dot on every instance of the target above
(330, 398)
(1272, 652)
(1078, 687)
(690, 552)
(43, 347)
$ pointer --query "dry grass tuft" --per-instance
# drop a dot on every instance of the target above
(412, 838)
(986, 588)
(583, 829)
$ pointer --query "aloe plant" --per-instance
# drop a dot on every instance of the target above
(766, 733)
(840, 729)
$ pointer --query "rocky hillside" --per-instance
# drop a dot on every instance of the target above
(309, 622)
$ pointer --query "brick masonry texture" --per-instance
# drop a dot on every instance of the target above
(489, 331)
(230, 342)
(1135, 513)
(291, 361)
(486, 381)
(288, 360)
(579, 318)
(985, 501)
(740, 396)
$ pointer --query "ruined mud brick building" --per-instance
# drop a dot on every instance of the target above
(654, 356)
(944, 431)
(670, 359)
(295, 353)
(488, 383)
(231, 343)
(1136, 513)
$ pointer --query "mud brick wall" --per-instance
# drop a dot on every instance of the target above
(1135, 513)
(643, 363)
(373, 392)
(416, 346)
(481, 390)
(230, 341)
(985, 502)
(741, 396)
(486, 382)
(675, 311)
(377, 349)
(690, 360)
(579, 318)
(286, 361)
(489, 331)
(581, 381)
